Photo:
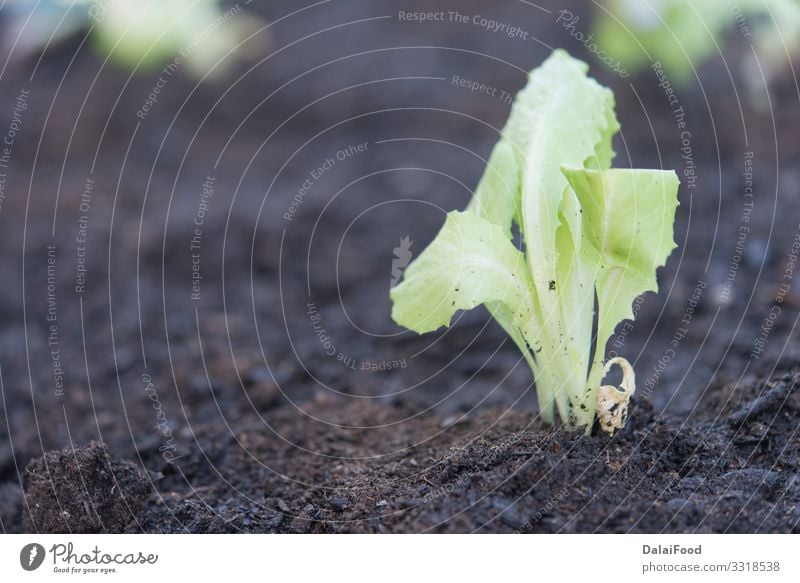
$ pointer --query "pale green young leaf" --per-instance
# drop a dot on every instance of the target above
(470, 262)
(561, 117)
(497, 197)
(628, 218)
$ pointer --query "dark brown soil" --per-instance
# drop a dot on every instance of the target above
(735, 472)
(82, 490)
(227, 414)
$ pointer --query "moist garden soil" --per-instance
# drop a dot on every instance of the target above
(734, 472)
(229, 412)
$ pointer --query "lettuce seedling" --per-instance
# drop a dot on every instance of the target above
(680, 33)
(203, 35)
(592, 235)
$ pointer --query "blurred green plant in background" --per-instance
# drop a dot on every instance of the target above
(141, 34)
(683, 33)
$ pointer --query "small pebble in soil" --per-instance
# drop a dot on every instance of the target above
(339, 504)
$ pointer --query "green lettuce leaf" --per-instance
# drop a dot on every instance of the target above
(471, 262)
(628, 234)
